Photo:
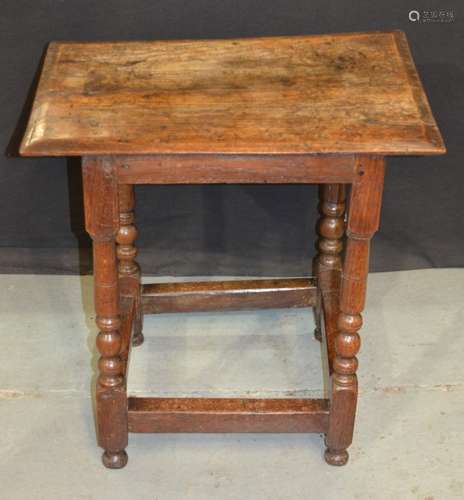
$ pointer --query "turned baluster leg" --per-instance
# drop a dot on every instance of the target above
(101, 217)
(363, 222)
(129, 270)
(328, 262)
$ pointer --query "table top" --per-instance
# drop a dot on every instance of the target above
(342, 93)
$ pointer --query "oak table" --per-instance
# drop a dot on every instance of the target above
(324, 109)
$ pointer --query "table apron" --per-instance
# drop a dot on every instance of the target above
(235, 169)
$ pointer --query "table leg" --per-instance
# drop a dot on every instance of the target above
(328, 262)
(101, 217)
(363, 222)
(128, 268)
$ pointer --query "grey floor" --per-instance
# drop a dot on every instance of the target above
(409, 439)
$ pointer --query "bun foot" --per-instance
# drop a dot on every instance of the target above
(318, 334)
(114, 459)
(336, 457)
(138, 339)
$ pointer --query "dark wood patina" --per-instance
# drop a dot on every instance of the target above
(322, 109)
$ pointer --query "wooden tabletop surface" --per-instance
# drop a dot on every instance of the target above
(343, 93)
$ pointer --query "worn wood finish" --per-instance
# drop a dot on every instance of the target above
(127, 312)
(330, 310)
(227, 415)
(129, 270)
(102, 221)
(320, 109)
(363, 222)
(344, 93)
(228, 295)
(328, 262)
(232, 169)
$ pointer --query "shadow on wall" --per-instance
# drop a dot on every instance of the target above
(420, 226)
(12, 148)
(76, 215)
(83, 257)
(443, 83)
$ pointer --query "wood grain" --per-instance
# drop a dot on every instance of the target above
(308, 109)
(235, 169)
(328, 262)
(344, 93)
(228, 295)
(127, 314)
(102, 222)
(227, 415)
(129, 270)
(362, 223)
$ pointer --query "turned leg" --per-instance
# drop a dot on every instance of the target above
(363, 222)
(129, 270)
(101, 217)
(328, 262)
